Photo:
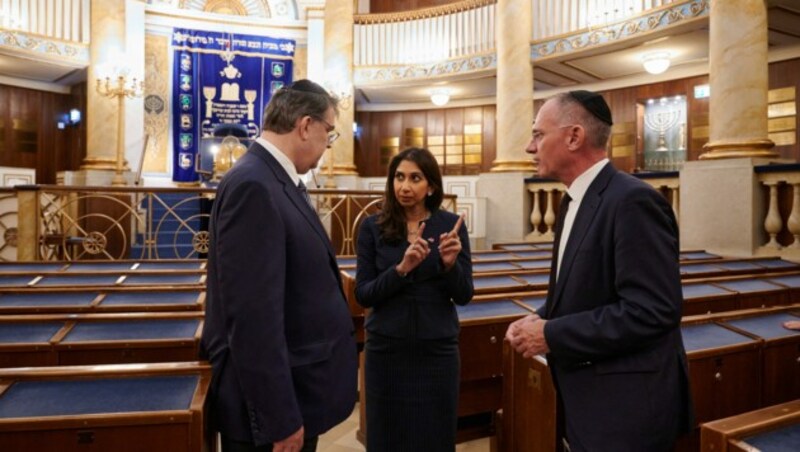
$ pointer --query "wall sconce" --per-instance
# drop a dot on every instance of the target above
(342, 90)
(440, 96)
(656, 62)
(72, 118)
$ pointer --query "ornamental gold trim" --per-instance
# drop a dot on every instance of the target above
(422, 13)
(647, 22)
(464, 65)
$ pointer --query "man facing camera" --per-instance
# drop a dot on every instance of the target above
(610, 325)
(278, 331)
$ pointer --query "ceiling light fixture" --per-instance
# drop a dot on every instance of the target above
(440, 96)
(656, 62)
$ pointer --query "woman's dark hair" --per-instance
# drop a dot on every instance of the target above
(392, 219)
(301, 98)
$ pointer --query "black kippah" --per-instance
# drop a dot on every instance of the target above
(594, 104)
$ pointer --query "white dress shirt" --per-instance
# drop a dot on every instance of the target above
(576, 191)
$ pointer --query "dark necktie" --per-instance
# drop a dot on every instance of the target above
(562, 215)
(303, 191)
(551, 288)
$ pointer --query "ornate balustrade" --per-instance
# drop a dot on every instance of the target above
(560, 17)
(781, 193)
(546, 195)
(55, 30)
(53, 222)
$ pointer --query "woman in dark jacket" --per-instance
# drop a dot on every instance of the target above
(413, 268)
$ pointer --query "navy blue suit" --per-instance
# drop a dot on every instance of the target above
(411, 356)
(421, 304)
(616, 353)
(278, 330)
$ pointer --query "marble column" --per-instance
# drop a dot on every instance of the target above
(117, 36)
(338, 78)
(107, 37)
(514, 86)
(738, 80)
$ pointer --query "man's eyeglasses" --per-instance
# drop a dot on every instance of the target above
(333, 135)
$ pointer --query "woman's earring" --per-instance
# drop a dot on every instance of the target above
(430, 193)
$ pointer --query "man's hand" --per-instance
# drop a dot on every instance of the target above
(792, 325)
(293, 443)
(526, 336)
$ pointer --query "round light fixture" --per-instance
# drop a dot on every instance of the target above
(440, 96)
(656, 62)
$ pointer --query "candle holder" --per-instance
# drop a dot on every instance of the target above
(120, 88)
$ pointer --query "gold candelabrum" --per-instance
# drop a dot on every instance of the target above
(120, 89)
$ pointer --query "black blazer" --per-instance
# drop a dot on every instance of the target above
(278, 330)
(421, 305)
(616, 352)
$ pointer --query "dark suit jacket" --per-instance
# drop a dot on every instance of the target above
(277, 329)
(616, 352)
(421, 304)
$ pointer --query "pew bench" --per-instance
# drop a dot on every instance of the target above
(124, 408)
(82, 339)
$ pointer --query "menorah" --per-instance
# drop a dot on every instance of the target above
(661, 122)
(120, 90)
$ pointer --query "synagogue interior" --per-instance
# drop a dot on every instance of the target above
(119, 119)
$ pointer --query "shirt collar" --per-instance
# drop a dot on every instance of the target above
(284, 161)
(581, 184)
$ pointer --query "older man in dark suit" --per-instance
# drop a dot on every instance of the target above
(278, 330)
(610, 325)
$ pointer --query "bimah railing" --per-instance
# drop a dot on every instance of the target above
(54, 222)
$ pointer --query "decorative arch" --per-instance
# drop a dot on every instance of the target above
(284, 9)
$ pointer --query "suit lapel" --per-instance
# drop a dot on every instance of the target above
(294, 195)
(583, 219)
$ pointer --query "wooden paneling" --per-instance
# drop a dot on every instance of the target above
(443, 132)
(37, 142)
(783, 74)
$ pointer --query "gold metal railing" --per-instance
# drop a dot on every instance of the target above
(53, 222)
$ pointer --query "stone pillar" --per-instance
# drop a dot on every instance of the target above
(514, 86)
(339, 78)
(739, 80)
(722, 208)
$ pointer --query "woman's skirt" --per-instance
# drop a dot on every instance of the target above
(412, 394)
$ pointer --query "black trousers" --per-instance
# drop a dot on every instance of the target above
(229, 445)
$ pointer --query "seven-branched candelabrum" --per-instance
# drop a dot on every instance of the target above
(661, 122)
(120, 89)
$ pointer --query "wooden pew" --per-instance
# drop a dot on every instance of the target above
(100, 300)
(131, 266)
(109, 279)
(774, 428)
(82, 339)
(726, 371)
(780, 353)
(124, 408)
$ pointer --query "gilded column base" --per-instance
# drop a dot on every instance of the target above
(728, 150)
(101, 163)
(344, 170)
(513, 166)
